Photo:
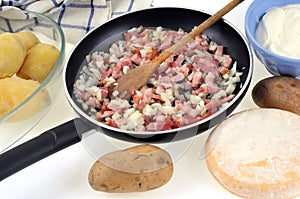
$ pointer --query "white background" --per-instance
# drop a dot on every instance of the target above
(64, 174)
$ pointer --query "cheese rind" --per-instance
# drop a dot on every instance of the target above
(255, 154)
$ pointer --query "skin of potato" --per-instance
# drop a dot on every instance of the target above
(279, 92)
(140, 168)
(29, 39)
(12, 54)
(39, 61)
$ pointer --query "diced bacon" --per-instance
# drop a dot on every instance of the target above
(106, 74)
(167, 42)
(93, 102)
(116, 70)
(210, 78)
(179, 60)
(178, 77)
(187, 119)
(184, 69)
(107, 61)
(105, 114)
(112, 123)
(204, 43)
(127, 36)
(99, 61)
(213, 88)
(186, 88)
(121, 122)
(165, 81)
(104, 93)
(114, 49)
(144, 98)
(189, 110)
(219, 50)
(171, 71)
(158, 124)
(136, 58)
(118, 104)
(196, 79)
(179, 104)
(188, 85)
(145, 32)
(126, 61)
(227, 62)
(206, 64)
(149, 94)
(152, 126)
(213, 105)
(202, 89)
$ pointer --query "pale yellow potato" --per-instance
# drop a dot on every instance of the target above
(39, 62)
(136, 169)
(14, 91)
(29, 39)
(12, 54)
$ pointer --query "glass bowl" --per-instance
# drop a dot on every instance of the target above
(24, 116)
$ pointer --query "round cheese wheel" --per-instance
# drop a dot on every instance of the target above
(256, 154)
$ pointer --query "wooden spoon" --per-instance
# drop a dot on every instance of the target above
(136, 78)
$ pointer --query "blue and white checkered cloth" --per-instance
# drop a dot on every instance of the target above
(77, 17)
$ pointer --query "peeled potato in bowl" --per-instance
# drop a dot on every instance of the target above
(39, 61)
(14, 91)
(29, 39)
(12, 54)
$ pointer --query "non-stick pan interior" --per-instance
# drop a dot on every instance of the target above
(170, 18)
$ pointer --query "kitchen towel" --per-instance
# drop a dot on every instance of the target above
(77, 17)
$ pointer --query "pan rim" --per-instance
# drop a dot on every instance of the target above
(223, 110)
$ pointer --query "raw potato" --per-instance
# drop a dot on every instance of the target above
(28, 39)
(12, 54)
(39, 62)
(14, 91)
(140, 168)
(278, 92)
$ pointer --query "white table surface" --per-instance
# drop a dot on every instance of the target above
(64, 174)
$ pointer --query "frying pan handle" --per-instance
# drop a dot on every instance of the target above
(41, 146)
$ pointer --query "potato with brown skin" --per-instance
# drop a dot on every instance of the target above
(39, 62)
(29, 39)
(136, 169)
(279, 92)
(12, 54)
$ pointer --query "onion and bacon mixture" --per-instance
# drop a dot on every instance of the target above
(189, 86)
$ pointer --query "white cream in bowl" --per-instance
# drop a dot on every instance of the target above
(279, 31)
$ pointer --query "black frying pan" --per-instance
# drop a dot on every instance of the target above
(100, 38)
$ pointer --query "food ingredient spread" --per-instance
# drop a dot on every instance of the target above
(279, 32)
(189, 86)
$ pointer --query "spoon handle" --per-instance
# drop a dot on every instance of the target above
(214, 18)
(203, 26)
